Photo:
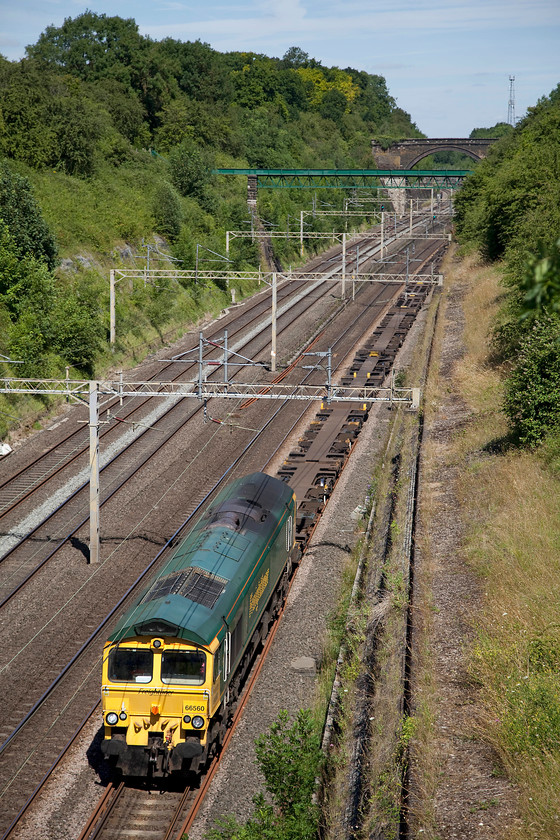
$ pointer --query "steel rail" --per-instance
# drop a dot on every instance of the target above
(138, 580)
(141, 390)
(119, 604)
(358, 397)
(95, 825)
(292, 280)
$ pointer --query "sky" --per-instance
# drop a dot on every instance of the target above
(447, 62)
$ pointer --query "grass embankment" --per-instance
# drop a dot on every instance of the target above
(510, 513)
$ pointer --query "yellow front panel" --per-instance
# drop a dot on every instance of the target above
(155, 706)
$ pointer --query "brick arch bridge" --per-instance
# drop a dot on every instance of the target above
(404, 154)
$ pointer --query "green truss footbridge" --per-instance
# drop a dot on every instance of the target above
(348, 179)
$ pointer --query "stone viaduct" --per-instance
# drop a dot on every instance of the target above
(405, 154)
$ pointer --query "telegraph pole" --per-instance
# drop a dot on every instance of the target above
(343, 284)
(112, 308)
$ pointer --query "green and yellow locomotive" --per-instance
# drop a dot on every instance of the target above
(173, 667)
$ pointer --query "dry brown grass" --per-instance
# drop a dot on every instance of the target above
(479, 384)
(425, 755)
(511, 506)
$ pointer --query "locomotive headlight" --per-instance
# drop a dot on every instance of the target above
(123, 715)
(112, 718)
(187, 718)
(198, 722)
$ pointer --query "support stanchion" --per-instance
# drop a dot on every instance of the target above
(94, 473)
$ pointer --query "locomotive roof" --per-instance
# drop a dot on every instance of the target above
(199, 585)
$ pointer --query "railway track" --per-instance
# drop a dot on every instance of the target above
(361, 316)
(140, 812)
(25, 547)
(46, 537)
(17, 487)
(309, 516)
(115, 810)
(28, 561)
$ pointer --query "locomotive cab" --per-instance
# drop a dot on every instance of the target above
(158, 697)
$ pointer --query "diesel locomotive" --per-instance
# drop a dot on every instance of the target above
(174, 666)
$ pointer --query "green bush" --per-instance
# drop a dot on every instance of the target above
(541, 280)
(23, 218)
(532, 402)
(510, 209)
(289, 757)
(190, 169)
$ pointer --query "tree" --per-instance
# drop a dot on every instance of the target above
(203, 73)
(295, 57)
(541, 282)
(89, 46)
(77, 330)
(531, 401)
(190, 169)
(166, 209)
(510, 209)
(22, 217)
(373, 103)
(333, 105)
(25, 130)
(27, 296)
(175, 124)
(125, 108)
(501, 129)
(78, 126)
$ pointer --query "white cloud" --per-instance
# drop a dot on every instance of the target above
(266, 18)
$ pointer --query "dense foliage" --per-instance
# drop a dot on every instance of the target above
(289, 757)
(94, 89)
(108, 140)
(45, 324)
(21, 215)
(510, 209)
